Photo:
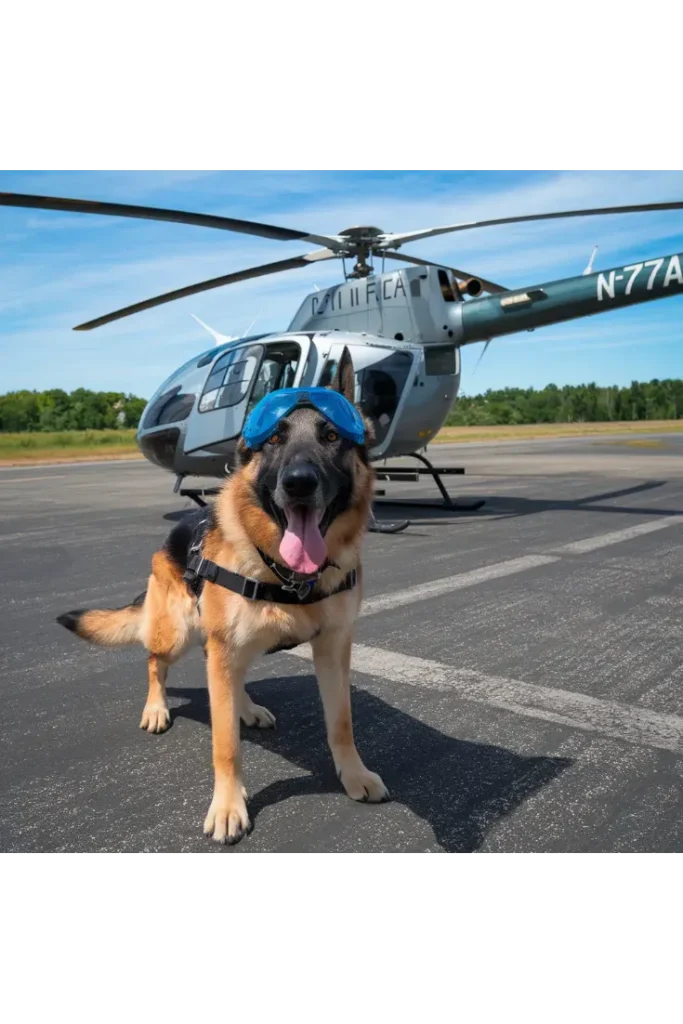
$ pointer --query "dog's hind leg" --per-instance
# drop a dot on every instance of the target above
(156, 717)
(169, 627)
(255, 714)
(332, 658)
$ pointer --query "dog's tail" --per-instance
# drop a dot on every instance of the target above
(109, 627)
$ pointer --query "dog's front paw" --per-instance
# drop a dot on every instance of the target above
(228, 819)
(256, 715)
(155, 718)
(364, 785)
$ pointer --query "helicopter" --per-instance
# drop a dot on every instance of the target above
(404, 328)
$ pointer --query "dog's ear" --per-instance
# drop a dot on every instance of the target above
(244, 454)
(344, 379)
(369, 432)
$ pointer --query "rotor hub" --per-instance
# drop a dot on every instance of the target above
(362, 235)
(361, 242)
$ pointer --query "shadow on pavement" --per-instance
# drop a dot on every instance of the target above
(461, 789)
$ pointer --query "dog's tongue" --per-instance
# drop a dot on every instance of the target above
(303, 548)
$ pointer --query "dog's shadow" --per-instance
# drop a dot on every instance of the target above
(461, 789)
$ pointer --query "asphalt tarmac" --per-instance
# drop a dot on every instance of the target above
(518, 671)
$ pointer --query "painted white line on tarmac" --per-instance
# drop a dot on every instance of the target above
(603, 540)
(563, 707)
(435, 588)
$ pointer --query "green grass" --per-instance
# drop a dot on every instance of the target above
(85, 445)
(67, 445)
(529, 431)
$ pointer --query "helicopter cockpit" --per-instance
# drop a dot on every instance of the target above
(196, 416)
(278, 370)
(239, 378)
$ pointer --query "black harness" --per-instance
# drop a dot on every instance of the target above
(295, 588)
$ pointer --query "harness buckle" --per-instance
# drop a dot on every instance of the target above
(302, 590)
(250, 588)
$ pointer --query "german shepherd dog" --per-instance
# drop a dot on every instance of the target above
(302, 498)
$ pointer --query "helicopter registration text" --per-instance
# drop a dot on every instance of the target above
(349, 296)
(607, 283)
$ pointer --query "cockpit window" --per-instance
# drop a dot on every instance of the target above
(230, 378)
(259, 368)
(278, 370)
(170, 407)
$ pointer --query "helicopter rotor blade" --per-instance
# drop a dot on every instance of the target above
(461, 275)
(205, 286)
(412, 236)
(245, 227)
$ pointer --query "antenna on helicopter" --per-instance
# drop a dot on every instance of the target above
(589, 268)
(483, 353)
(214, 334)
(222, 338)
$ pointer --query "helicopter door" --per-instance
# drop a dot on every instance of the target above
(237, 380)
(384, 385)
(383, 380)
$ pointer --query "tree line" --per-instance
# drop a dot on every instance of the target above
(78, 410)
(584, 403)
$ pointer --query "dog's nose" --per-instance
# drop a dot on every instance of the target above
(300, 479)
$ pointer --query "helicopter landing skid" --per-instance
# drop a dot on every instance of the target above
(403, 473)
(198, 494)
(377, 527)
(406, 473)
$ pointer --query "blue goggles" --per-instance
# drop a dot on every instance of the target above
(262, 421)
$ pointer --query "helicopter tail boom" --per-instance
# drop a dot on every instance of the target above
(571, 298)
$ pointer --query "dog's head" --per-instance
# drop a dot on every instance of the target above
(313, 485)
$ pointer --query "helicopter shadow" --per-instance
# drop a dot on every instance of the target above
(461, 789)
(433, 513)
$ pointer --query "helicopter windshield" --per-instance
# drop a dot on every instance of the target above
(238, 379)
(278, 370)
(230, 378)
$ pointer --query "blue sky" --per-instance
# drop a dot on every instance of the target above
(57, 270)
